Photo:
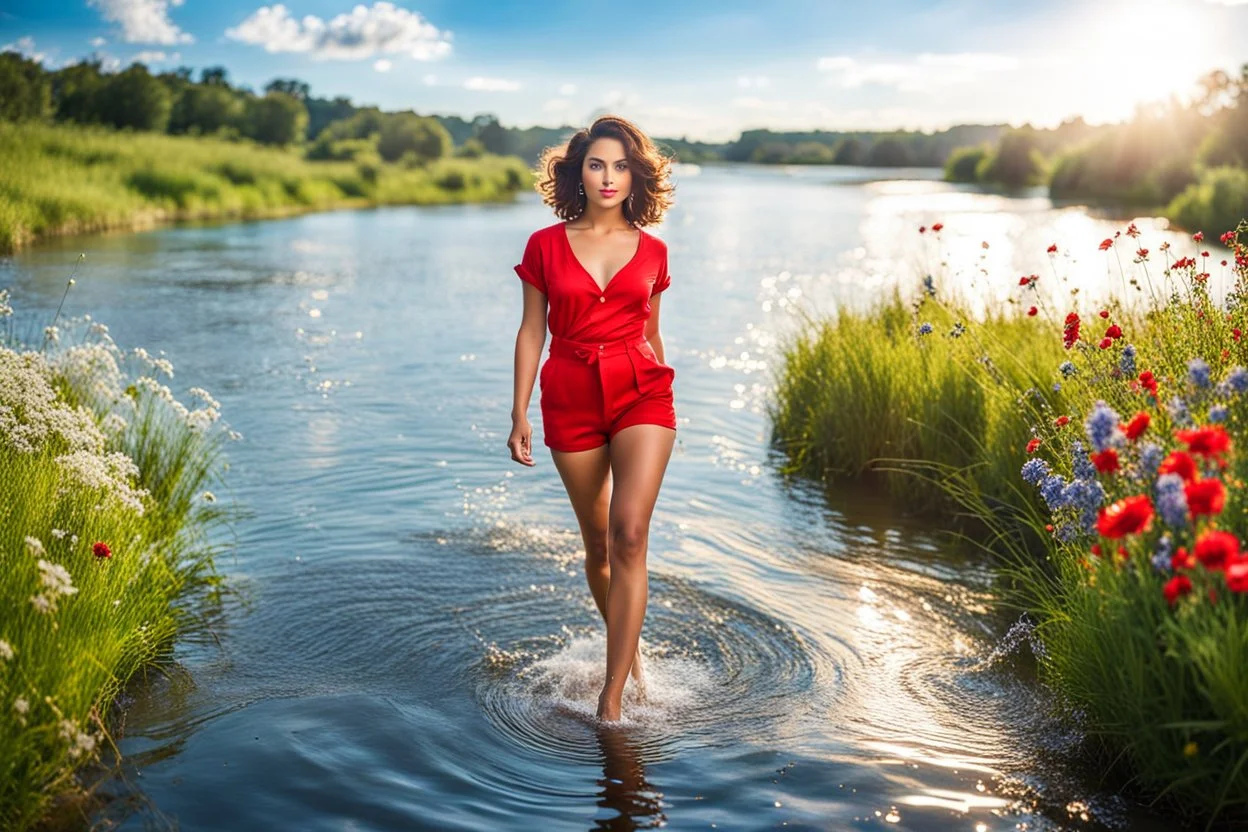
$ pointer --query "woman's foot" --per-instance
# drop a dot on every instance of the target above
(608, 709)
(638, 674)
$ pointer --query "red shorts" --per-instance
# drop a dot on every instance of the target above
(590, 391)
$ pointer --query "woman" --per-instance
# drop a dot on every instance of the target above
(608, 414)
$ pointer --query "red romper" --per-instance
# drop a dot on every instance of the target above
(601, 374)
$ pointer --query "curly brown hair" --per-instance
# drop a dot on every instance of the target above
(559, 172)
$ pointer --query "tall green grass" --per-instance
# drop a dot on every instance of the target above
(60, 179)
(1160, 688)
(106, 551)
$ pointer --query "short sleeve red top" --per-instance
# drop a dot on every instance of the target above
(578, 310)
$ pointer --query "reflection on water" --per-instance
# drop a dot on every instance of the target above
(422, 650)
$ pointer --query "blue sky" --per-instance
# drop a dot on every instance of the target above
(705, 70)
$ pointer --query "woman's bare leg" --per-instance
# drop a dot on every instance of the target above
(586, 476)
(639, 455)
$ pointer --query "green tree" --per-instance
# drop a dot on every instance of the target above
(963, 164)
(291, 86)
(25, 93)
(404, 133)
(490, 133)
(850, 151)
(133, 98)
(76, 92)
(206, 109)
(812, 153)
(275, 118)
(890, 153)
(1016, 162)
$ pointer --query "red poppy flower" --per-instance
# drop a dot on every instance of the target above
(1032, 445)
(1061, 420)
(1176, 587)
(1181, 463)
(936, 226)
(1199, 236)
(1237, 574)
(1149, 381)
(1070, 333)
(1226, 238)
(1107, 244)
(1182, 559)
(1106, 343)
(1053, 249)
(1216, 548)
(1106, 461)
(1142, 253)
(1114, 331)
(1096, 549)
(1130, 515)
(1205, 496)
(922, 229)
(100, 550)
(1031, 311)
(1137, 425)
(1206, 441)
(1236, 333)
(1104, 313)
(1132, 231)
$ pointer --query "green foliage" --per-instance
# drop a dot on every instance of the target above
(407, 133)
(133, 98)
(277, 118)
(1217, 203)
(963, 164)
(890, 152)
(206, 109)
(1016, 162)
(25, 93)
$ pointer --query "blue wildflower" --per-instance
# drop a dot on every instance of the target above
(925, 328)
(1217, 413)
(1178, 411)
(1052, 491)
(1083, 467)
(1126, 362)
(1057, 386)
(1171, 501)
(1237, 379)
(1150, 460)
(1035, 470)
(1198, 372)
(1163, 552)
(929, 286)
(1101, 426)
(957, 330)
(1067, 368)
(1086, 496)
(1066, 532)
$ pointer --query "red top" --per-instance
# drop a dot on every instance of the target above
(578, 309)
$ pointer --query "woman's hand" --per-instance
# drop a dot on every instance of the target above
(521, 441)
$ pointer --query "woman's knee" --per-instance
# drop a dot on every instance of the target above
(628, 542)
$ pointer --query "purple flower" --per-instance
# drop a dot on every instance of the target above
(1161, 556)
(1035, 470)
(1126, 361)
(1198, 372)
(1171, 501)
(1101, 426)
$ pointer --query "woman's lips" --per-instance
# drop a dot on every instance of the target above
(606, 193)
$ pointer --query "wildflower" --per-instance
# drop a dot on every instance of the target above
(1236, 573)
(1070, 333)
(1149, 381)
(1176, 587)
(1217, 413)
(1032, 445)
(1172, 500)
(1132, 231)
(1085, 496)
(1181, 463)
(1107, 244)
(1034, 470)
(1237, 379)
(1053, 249)
(34, 547)
(6, 650)
(1126, 361)
(1031, 311)
(1198, 372)
(1236, 333)
(925, 328)
(957, 330)
(1067, 369)
(1028, 280)
(1150, 459)
(1199, 236)
(1162, 554)
(1183, 559)
(1142, 253)
(1083, 467)
(1106, 343)
(1061, 421)
(1216, 548)
(1104, 313)
(1129, 515)
(1106, 461)
(1101, 426)
(1208, 441)
(1113, 331)
(937, 226)
(1205, 496)
(922, 229)
(1136, 427)
(929, 286)
(1057, 386)
(1177, 409)
(56, 578)
(1053, 491)
(21, 705)
(100, 549)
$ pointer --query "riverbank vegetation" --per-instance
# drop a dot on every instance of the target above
(106, 551)
(1186, 161)
(1099, 445)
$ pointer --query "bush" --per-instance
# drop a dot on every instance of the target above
(963, 164)
(1217, 202)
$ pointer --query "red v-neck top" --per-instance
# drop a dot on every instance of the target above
(578, 309)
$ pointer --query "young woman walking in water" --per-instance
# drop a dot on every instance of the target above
(608, 414)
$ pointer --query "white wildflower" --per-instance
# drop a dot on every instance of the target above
(79, 741)
(5, 309)
(56, 579)
(113, 423)
(59, 534)
(112, 472)
(43, 603)
(202, 419)
(34, 547)
(53, 333)
(6, 650)
(201, 393)
(209, 497)
(21, 705)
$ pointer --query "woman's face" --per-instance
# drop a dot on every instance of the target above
(605, 173)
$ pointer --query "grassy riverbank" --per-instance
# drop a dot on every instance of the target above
(67, 179)
(1099, 446)
(105, 514)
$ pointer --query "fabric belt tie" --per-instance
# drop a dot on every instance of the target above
(590, 352)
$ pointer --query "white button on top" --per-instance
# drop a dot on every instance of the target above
(602, 298)
(601, 346)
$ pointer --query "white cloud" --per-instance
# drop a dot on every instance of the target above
(98, 42)
(363, 33)
(25, 46)
(152, 56)
(567, 89)
(478, 82)
(919, 73)
(143, 21)
(754, 103)
(749, 82)
(383, 65)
